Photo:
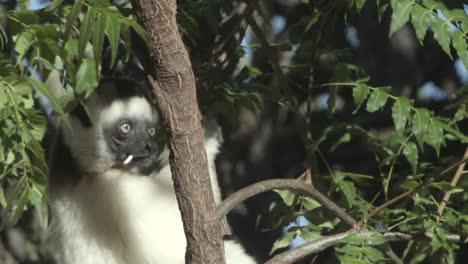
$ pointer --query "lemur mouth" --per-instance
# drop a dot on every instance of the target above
(135, 157)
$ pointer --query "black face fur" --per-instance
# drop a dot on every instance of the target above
(136, 137)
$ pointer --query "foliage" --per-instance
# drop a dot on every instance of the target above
(39, 44)
(370, 138)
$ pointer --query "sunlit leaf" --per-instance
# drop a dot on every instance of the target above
(459, 42)
(44, 90)
(401, 14)
(400, 112)
(377, 100)
(360, 93)
(442, 34)
(420, 18)
(86, 77)
(420, 122)
(87, 27)
(410, 150)
(435, 135)
(287, 196)
(75, 11)
(283, 241)
(113, 33)
(98, 36)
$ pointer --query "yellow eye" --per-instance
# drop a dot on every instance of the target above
(152, 131)
(126, 127)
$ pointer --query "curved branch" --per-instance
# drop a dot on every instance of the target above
(319, 245)
(286, 184)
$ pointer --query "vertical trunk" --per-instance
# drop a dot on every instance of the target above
(175, 93)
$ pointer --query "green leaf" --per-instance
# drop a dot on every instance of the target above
(344, 139)
(434, 4)
(331, 102)
(442, 34)
(113, 33)
(354, 239)
(75, 11)
(139, 30)
(98, 37)
(284, 241)
(420, 121)
(312, 21)
(346, 259)
(3, 202)
(435, 135)
(420, 18)
(446, 187)
(354, 176)
(375, 239)
(460, 45)
(462, 113)
(86, 77)
(360, 93)
(377, 100)
(44, 90)
(24, 42)
(310, 235)
(400, 112)
(400, 15)
(461, 136)
(54, 4)
(287, 196)
(87, 27)
(71, 48)
(381, 11)
(21, 198)
(373, 253)
(20, 19)
(309, 203)
(411, 152)
(349, 191)
(3, 37)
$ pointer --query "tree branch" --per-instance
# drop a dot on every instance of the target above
(173, 86)
(321, 244)
(286, 184)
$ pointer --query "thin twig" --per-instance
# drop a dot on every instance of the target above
(387, 249)
(286, 184)
(454, 182)
(409, 192)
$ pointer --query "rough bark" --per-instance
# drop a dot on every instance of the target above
(175, 95)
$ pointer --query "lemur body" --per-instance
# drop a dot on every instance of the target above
(104, 207)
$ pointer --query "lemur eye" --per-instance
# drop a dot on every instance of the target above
(126, 127)
(152, 131)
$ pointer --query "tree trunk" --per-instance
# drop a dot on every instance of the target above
(175, 94)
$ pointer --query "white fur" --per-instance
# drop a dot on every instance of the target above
(117, 217)
(133, 107)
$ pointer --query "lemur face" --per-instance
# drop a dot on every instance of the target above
(120, 132)
(129, 132)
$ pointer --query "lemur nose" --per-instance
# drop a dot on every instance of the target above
(149, 147)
